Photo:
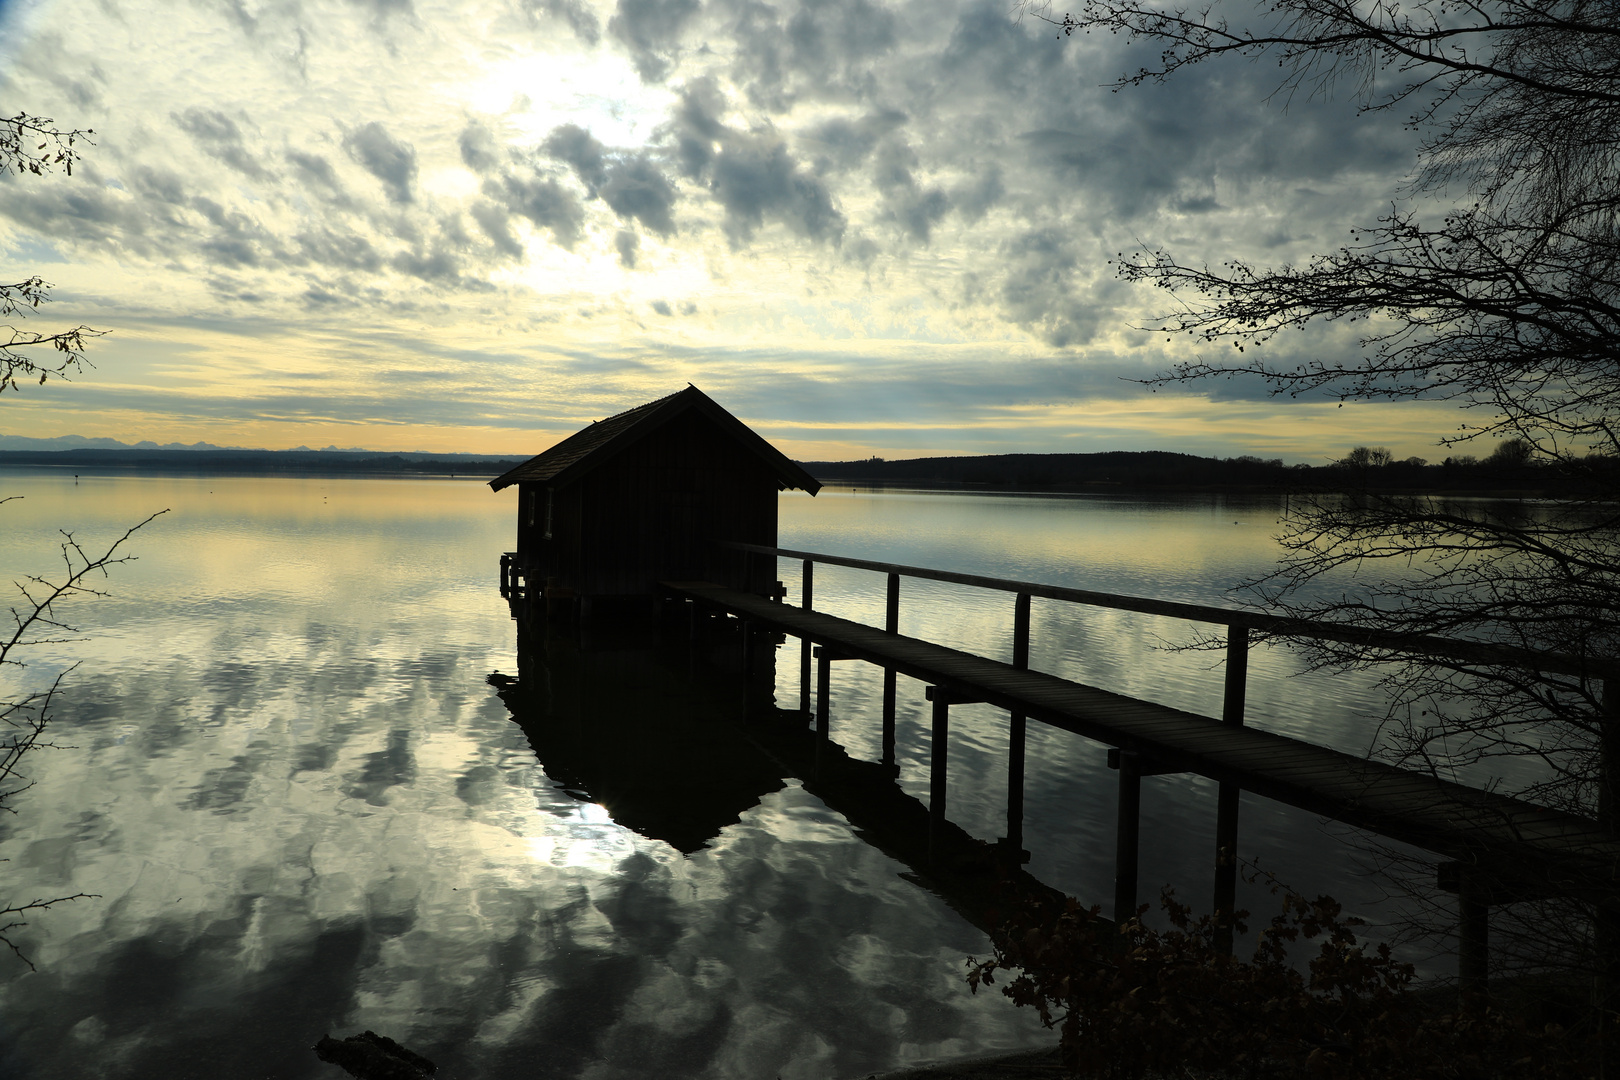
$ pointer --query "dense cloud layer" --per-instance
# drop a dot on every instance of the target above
(898, 172)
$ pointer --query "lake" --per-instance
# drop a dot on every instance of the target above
(304, 810)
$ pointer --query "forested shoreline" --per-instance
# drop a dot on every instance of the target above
(1506, 473)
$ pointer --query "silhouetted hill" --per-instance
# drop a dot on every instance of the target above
(1162, 470)
(1118, 468)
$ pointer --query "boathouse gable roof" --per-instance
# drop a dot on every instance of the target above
(593, 446)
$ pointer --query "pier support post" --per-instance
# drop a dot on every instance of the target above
(747, 664)
(1226, 807)
(807, 591)
(1132, 766)
(938, 747)
(823, 703)
(1473, 940)
(1129, 833)
(584, 623)
(1226, 822)
(1017, 728)
(1606, 931)
(825, 657)
(891, 623)
(888, 721)
(693, 632)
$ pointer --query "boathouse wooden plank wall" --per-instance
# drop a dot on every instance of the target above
(657, 509)
(653, 493)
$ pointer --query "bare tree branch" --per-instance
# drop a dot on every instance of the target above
(1509, 306)
(37, 620)
(35, 146)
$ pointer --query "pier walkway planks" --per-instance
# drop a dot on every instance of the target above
(1460, 822)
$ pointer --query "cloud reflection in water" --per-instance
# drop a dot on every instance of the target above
(305, 812)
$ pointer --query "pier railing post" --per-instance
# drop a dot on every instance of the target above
(1017, 728)
(1129, 832)
(1226, 810)
(891, 623)
(807, 591)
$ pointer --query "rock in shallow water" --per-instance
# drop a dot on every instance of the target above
(369, 1056)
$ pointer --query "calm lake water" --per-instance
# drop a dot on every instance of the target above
(305, 811)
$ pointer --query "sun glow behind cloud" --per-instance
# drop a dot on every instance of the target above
(535, 91)
(467, 225)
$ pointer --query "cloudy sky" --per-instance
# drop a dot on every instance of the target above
(865, 227)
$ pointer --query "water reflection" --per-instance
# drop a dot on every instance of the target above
(305, 812)
(617, 728)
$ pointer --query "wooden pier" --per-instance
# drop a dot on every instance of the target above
(1501, 848)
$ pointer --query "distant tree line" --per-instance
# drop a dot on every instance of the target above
(1511, 469)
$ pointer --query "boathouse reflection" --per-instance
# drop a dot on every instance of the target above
(615, 723)
(672, 727)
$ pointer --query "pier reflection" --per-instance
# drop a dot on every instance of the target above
(670, 725)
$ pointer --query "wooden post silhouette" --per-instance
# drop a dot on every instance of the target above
(1127, 836)
(807, 591)
(1017, 727)
(1226, 811)
(891, 623)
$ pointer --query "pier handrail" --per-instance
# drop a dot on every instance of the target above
(1476, 652)
(1482, 871)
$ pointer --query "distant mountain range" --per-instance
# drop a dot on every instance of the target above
(81, 453)
(81, 442)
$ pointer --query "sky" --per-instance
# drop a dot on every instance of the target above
(865, 228)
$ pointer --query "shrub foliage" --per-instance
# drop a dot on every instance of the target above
(1131, 1001)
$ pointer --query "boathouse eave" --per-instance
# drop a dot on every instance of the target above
(594, 446)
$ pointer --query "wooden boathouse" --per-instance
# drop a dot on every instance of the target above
(646, 496)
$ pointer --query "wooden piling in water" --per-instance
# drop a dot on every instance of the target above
(891, 624)
(938, 751)
(1017, 731)
(1228, 794)
(1127, 840)
(807, 595)
(943, 698)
